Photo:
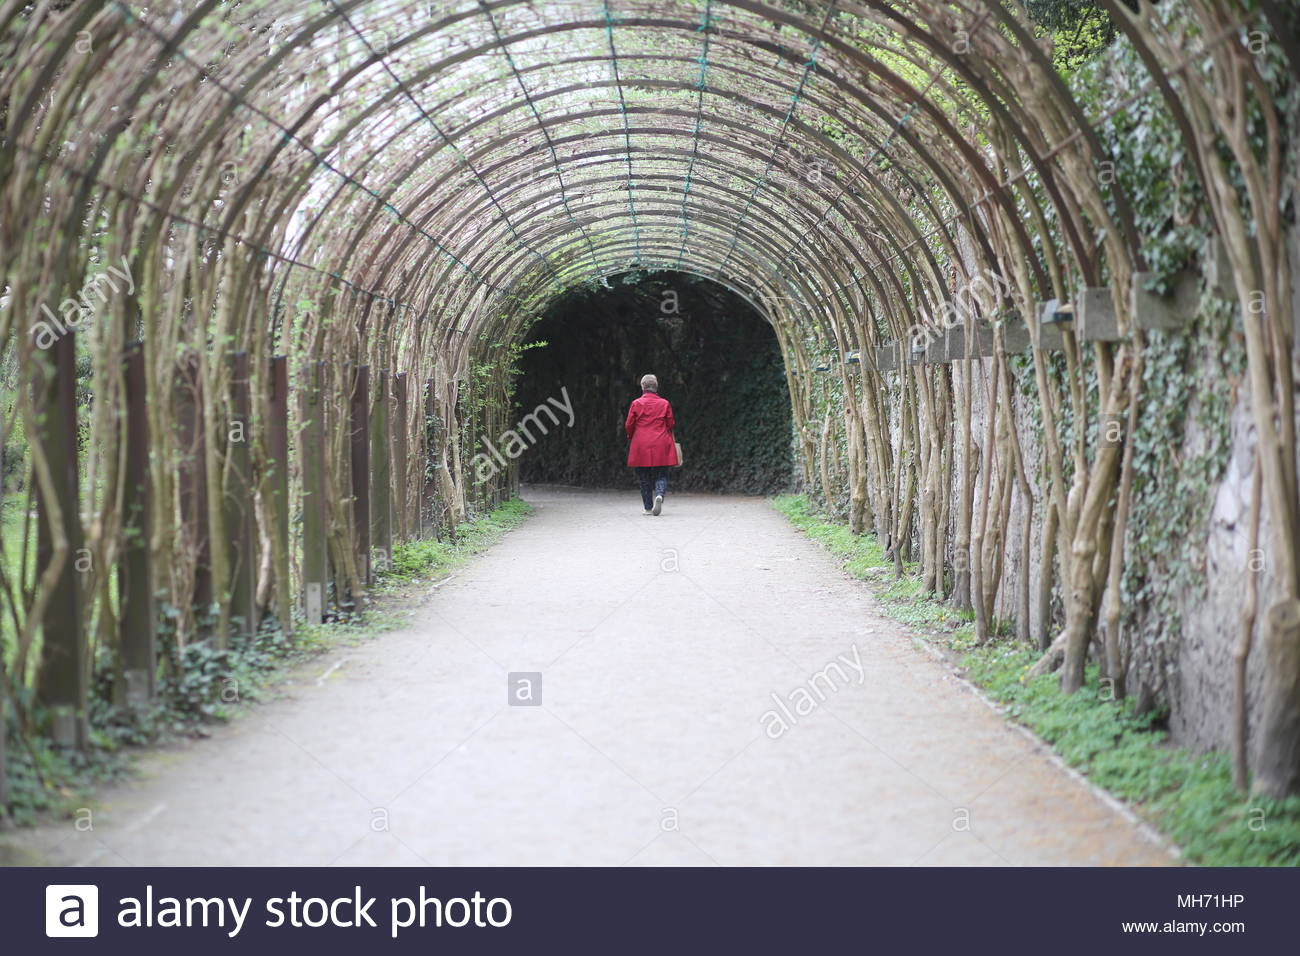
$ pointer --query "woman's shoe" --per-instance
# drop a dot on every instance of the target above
(647, 513)
(659, 505)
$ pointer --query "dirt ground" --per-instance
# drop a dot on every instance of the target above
(713, 690)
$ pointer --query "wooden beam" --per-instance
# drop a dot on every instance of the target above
(381, 482)
(62, 680)
(137, 654)
(432, 501)
(1094, 315)
(192, 484)
(1052, 325)
(401, 464)
(1164, 313)
(237, 502)
(359, 435)
(315, 547)
(277, 434)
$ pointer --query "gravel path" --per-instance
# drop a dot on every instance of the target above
(713, 690)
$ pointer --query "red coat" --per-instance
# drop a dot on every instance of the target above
(650, 426)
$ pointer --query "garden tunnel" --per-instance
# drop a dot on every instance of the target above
(268, 266)
(716, 358)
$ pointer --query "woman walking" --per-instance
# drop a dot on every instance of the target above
(649, 425)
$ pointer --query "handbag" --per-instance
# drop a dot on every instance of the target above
(678, 446)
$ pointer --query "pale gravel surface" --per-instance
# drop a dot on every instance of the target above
(654, 684)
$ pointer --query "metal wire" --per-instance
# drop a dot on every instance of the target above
(779, 139)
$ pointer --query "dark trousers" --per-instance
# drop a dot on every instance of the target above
(654, 481)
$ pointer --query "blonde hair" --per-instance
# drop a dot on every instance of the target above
(649, 383)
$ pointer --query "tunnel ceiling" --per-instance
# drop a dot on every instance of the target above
(468, 160)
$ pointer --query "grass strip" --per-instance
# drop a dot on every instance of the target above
(1187, 796)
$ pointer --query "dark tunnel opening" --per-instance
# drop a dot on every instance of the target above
(718, 363)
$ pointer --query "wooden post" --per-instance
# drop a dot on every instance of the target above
(137, 659)
(61, 683)
(359, 430)
(4, 786)
(421, 456)
(1277, 755)
(277, 433)
(193, 486)
(338, 418)
(430, 504)
(4, 723)
(401, 467)
(238, 502)
(381, 492)
(312, 457)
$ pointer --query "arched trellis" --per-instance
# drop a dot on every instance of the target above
(402, 187)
